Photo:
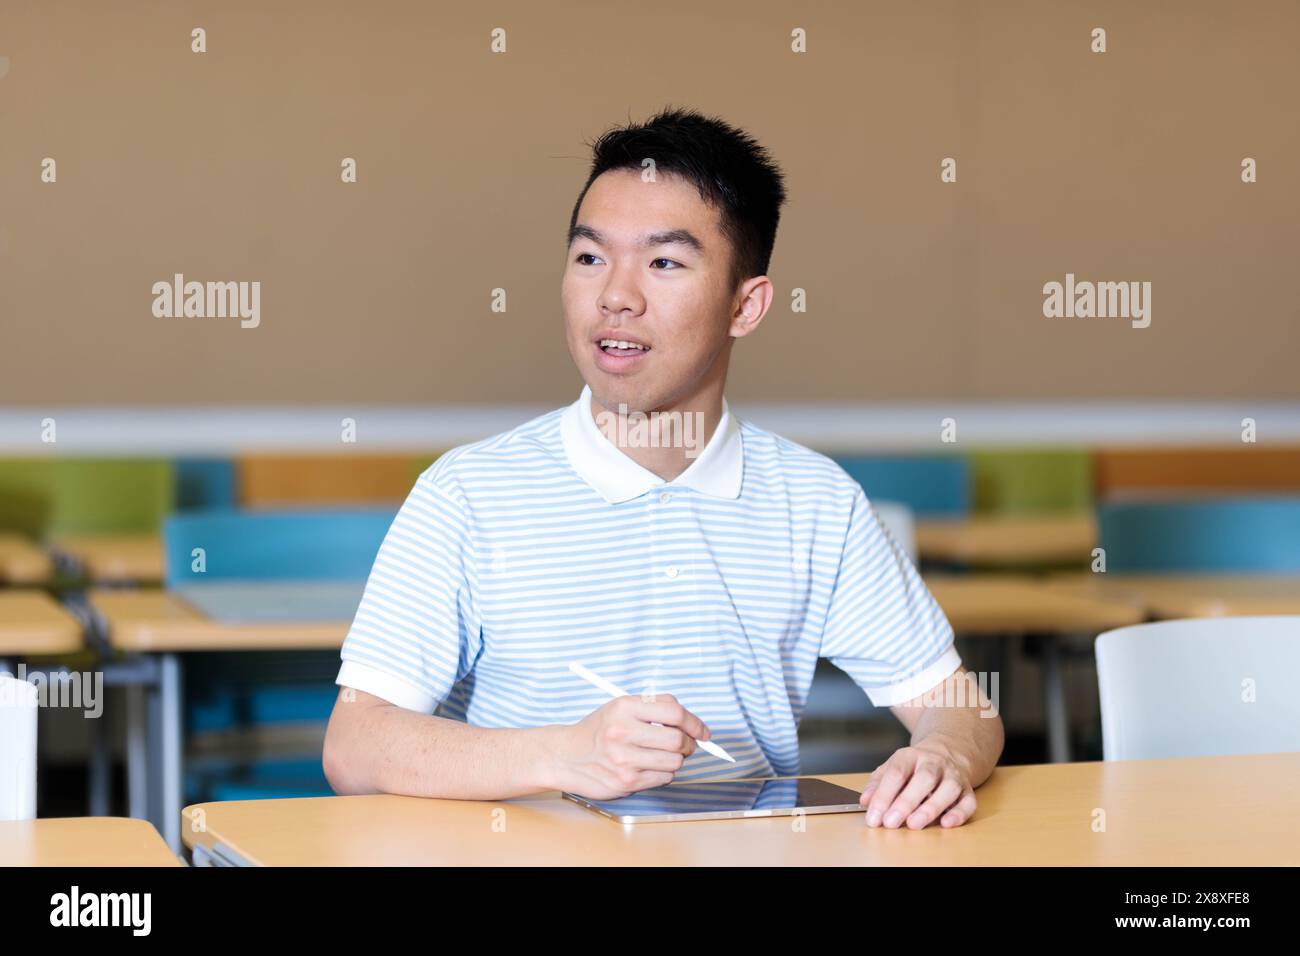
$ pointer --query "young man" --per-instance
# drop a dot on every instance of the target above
(704, 577)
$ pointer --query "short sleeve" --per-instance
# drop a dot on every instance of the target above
(417, 631)
(883, 627)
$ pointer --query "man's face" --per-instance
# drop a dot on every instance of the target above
(650, 267)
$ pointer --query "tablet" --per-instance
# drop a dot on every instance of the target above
(726, 799)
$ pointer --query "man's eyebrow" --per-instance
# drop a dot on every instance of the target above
(671, 237)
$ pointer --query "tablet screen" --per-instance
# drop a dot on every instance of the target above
(730, 795)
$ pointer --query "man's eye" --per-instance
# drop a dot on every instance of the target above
(582, 256)
(675, 265)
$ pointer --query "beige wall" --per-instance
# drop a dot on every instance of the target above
(1122, 166)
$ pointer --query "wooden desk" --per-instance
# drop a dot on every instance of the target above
(22, 561)
(150, 620)
(83, 841)
(33, 624)
(1169, 596)
(997, 540)
(154, 621)
(1156, 814)
(115, 557)
(1016, 604)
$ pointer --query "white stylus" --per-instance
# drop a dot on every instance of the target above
(591, 677)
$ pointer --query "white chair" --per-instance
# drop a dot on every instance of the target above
(18, 708)
(898, 521)
(1201, 687)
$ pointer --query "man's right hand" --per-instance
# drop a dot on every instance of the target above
(616, 749)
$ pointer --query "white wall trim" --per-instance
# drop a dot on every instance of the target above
(913, 426)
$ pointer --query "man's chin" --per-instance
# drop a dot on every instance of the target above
(611, 395)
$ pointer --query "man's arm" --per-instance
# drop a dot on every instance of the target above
(957, 738)
(373, 746)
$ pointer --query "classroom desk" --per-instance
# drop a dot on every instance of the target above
(1004, 603)
(1169, 596)
(161, 621)
(1156, 814)
(1007, 540)
(83, 841)
(108, 558)
(150, 620)
(33, 624)
(22, 561)
(156, 626)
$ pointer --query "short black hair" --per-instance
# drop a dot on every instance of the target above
(732, 172)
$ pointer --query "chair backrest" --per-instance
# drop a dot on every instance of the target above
(280, 481)
(1225, 535)
(1032, 481)
(897, 519)
(18, 709)
(927, 484)
(323, 545)
(43, 497)
(1201, 687)
(1240, 468)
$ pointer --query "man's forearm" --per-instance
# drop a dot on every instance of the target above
(386, 749)
(973, 740)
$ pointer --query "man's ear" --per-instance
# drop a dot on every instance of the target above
(753, 300)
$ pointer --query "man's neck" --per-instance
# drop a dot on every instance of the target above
(665, 441)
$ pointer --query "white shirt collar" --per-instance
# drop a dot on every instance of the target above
(716, 471)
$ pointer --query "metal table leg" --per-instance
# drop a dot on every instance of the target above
(100, 762)
(170, 750)
(1054, 705)
(137, 760)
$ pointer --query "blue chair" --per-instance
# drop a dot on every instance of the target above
(204, 483)
(265, 689)
(1202, 535)
(931, 485)
(320, 545)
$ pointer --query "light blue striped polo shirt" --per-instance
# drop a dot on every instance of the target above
(516, 555)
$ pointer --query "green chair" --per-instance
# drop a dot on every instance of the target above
(46, 497)
(1032, 482)
(421, 463)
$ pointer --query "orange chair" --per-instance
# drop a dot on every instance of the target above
(1235, 469)
(270, 481)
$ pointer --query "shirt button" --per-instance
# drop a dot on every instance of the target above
(671, 572)
(665, 498)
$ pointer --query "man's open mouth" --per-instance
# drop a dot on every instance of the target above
(622, 347)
